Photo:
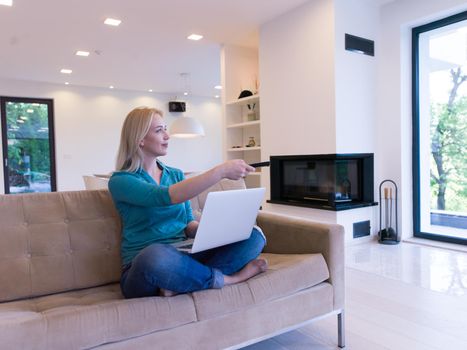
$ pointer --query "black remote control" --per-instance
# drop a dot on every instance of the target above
(260, 164)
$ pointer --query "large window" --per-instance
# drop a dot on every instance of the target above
(28, 145)
(440, 129)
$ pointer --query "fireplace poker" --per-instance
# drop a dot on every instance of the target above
(386, 211)
(391, 232)
(390, 207)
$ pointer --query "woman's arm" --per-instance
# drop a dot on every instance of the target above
(189, 188)
(191, 228)
(129, 188)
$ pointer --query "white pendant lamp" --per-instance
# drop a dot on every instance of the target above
(186, 127)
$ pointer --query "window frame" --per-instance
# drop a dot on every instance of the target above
(5, 165)
(416, 127)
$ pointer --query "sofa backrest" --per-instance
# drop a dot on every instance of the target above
(60, 241)
(54, 242)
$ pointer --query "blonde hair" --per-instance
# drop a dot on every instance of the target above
(135, 127)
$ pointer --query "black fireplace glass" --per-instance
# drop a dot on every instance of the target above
(321, 180)
(327, 181)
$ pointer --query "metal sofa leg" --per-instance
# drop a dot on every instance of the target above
(340, 330)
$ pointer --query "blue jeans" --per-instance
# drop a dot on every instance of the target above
(162, 266)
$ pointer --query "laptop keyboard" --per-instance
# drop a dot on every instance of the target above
(186, 246)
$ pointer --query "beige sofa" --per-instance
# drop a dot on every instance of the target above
(60, 267)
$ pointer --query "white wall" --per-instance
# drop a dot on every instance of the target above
(355, 77)
(88, 123)
(296, 62)
(394, 114)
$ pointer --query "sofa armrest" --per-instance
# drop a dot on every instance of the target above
(289, 235)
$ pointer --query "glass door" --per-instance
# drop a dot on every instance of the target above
(440, 129)
(28, 145)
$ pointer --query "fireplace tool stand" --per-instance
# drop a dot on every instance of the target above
(388, 230)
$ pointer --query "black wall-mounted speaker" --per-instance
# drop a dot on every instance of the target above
(359, 45)
(177, 106)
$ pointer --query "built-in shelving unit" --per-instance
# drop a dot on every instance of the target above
(242, 116)
(243, 127)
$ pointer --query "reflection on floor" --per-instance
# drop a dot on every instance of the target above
(432, 268)
(399, 297)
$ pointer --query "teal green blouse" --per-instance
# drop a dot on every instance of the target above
(148, 216)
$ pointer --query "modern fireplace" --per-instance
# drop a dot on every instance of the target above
(324, 181)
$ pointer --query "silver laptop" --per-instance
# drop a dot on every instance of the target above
(228, 217)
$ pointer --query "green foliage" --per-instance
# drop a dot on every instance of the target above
(448, 131)
(28, 143)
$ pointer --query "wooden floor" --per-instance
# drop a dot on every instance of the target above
(400, 297)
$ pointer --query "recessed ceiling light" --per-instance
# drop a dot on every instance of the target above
(217, 96)
(111, 87)
(6, 2)
(82, 53)
(218, 87)
(195, 37)
(66, 71)
(112, 22)
(67, 83)
(185, 93)
(150, 90)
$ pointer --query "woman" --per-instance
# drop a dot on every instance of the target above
(153, 202)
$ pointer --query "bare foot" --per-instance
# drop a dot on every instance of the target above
(166, 293)
(251, 269)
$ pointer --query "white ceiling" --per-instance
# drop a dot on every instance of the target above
(148, 50)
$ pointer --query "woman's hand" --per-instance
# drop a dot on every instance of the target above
(235, 169)
(189, 188)
(191, 228)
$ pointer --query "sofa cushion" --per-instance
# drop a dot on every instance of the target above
(89, 317)
(236, 329)
(86, 318)
(286, 274)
